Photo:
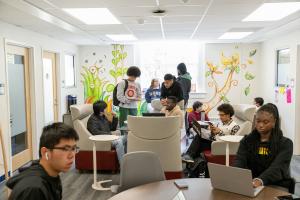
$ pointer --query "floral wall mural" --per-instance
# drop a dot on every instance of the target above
(225, 73)
(101, 72)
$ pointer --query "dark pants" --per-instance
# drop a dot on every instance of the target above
(198, 145)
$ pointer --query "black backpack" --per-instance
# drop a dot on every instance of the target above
(116, 101)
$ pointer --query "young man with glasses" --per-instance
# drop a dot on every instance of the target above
(41, 180)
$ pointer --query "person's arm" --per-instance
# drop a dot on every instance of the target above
(114, 124)
(163, 93)
(191, 116)
(280, 164)
(242, 154)
(92, 127)
(138, 91)
(147, 96)
(121, 94)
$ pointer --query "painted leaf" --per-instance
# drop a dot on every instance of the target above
(113, 61)
(250, 61)
(110, 87)
(124, 55)
(225, 99)
(112, 73)
(252, 53)
(237, 69)
(249, 76)
(106, 98)
(113, 53)
(208, 73)
(218, 72)
(247, 90)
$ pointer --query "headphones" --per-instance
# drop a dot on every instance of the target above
(46, 154)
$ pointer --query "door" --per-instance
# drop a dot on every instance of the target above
(19, 105)
(50, 89)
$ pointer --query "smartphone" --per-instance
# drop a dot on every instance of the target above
(288, 197)
(181, 184)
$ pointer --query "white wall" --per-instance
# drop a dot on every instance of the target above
(37, 43)
(289, 112)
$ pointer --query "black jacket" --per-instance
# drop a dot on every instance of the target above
(34, 183)
(99, 125)
(185, 82)
(271, 171)
(174, 90)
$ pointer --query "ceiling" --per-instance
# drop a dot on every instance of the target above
(203, 20)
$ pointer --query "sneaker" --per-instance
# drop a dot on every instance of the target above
(187, 158)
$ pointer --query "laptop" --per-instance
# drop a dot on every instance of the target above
(153, 114)
(201, 130)
(232, 179)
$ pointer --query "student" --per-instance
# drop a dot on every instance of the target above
(265, 151)
(258, 101)
(128, 99)
(153, 92)
(226, 127)
(41, 180)
(170, 87)
(197, 114)
(171, 109)
(98, 124)
(184, 78)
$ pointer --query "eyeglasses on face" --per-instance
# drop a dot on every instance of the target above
(68, 149)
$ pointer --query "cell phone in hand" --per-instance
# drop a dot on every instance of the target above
(288, 197)
(181, 184)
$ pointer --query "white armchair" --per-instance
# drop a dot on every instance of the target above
(243, 116)
(160, 135)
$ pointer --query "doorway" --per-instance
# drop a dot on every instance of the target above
(50, 87)
(19, 105)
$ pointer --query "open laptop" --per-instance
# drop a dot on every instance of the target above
(153, 114)
(232, 179)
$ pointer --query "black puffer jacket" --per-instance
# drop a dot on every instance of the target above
(99, 125)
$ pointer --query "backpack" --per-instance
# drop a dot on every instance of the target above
(116, 101)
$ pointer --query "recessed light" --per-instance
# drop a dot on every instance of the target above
(93, 16)
(234, 35)
(121, 37)
(273, 11)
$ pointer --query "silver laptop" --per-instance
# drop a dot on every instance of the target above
(232, 179)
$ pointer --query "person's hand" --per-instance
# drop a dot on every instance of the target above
(163, 102)
(137, 99)
(256, 183)
(113, 114)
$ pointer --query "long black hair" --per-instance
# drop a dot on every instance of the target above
(276, 133)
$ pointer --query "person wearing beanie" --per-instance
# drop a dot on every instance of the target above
(98, 124)
(184, 78)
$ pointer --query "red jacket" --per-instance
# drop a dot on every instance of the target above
(196, 116)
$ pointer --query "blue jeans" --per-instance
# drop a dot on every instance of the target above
(121, 147)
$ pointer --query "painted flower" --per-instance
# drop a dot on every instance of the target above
(213, 68)
(225, 61)
(93, 69)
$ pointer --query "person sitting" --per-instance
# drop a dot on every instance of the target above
(98, 124)
(265, 151)
(170, 87)
(197, 114)
(226, 127)
(258, 101)
(41, 180)
(172, 109)
(153, 92)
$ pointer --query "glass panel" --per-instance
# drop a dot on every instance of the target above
(69, 71)
(283, 67)
(48, 90)
(17, 103)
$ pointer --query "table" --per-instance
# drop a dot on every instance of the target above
(99, 138)
(230, 139)
(198, 188)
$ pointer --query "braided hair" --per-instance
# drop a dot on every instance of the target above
(276, 133)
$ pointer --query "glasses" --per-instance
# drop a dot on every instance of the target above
(68, 149)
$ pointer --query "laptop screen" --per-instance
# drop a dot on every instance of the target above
(153, 114)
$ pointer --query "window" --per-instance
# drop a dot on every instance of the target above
(159, 58)
(283, 67)
(69, 71)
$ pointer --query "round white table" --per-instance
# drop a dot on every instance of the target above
(100, 138)
(230, 139)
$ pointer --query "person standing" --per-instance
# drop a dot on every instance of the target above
(153, 92)
(129, 98)
(170, 87)
(184, 78)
